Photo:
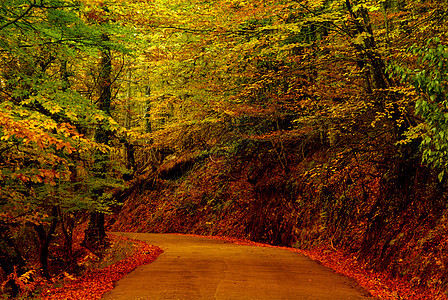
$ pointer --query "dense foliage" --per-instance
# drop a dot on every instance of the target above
(50, 173)
(288, 122)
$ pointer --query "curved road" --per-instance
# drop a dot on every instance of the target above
(202, 268)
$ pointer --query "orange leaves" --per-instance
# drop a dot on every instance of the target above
(37, 176)
(45, 176)
(380, 284)
(251, 110)
(26, 282)
(33, 131)
(21, 177)
(94, 284)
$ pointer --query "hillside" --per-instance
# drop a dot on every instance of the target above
(278, 191)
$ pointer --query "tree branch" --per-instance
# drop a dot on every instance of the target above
(32, 5)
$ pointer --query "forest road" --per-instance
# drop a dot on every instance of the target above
(202, 268)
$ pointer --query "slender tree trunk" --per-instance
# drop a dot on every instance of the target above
(369, 55)
(129, 146)
(44, 241)
(95, 235)
(373, 63)
(67, 224)
(128, 116)
(148, 109)
(10, 260)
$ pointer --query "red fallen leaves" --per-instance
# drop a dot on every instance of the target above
(379, 284)
(96, 283)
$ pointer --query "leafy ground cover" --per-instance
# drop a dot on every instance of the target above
(95, 283)
(379, 284)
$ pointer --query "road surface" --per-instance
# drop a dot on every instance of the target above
(202, 268)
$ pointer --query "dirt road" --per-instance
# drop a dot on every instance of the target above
(201, 268)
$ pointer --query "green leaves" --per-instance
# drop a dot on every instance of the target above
(47, 111)
(430, 81)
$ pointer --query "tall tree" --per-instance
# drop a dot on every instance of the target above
(46, 117)
(95, 235)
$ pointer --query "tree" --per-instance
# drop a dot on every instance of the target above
(95, 235)
(46, 119)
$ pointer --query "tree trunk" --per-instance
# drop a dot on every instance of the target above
(95, 235)
(148, 109)
(374, 66)
(10, 260)
(67, 222)
(129, 147)
(370, 59)
(44, 241)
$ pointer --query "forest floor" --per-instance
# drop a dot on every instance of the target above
(96, 283)
(101, 278)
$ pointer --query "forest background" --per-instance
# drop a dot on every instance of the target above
(295, 123)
